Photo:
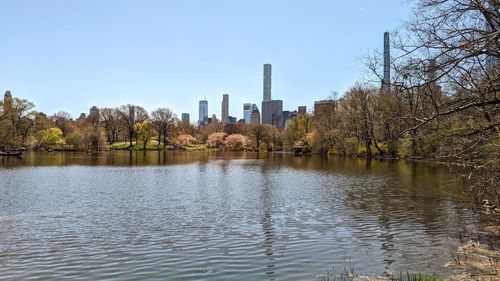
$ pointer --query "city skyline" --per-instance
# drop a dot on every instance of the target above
(90, 53)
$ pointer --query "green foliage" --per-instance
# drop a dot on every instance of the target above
(144, 130)
(50, 138)
(75, 139)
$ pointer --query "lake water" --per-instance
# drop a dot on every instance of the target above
(223, 216)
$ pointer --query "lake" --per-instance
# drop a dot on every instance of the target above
(223, 216)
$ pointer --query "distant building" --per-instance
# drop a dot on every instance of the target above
(255, 116)
(247, 112)
(302, 109)
(267, 82)
(231, 120)
(7, 99)
(203, 113)
(7, 95)
(323, 107)
(272, 112)
(82, 116)
(94, 111)
(185, 118)
(225, 108)
(286, 115)
(386, 82)
(289, 115)
(492, 60)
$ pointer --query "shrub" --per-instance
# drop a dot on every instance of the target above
(216, 140)
(184, 140)
(236, 141)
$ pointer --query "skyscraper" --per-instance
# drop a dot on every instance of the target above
(255, 116)
(7, 100)
(185, 118)
(94, 111)
(247, 112)
(302, 109)
(386, 82)
(323, 107)
(203, 110)
(272, 113)
(272, 110)
(491, 60)
(7, 95)
(267, 82)
(225, 108)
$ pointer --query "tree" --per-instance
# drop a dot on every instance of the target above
(359, 108)
(49, 138)
(216, 139)
(164, 121)
(144, 131)
(16, 120)
(130, 116)
(260, 133)
(235, 141)
(184, 140)
(297, 131)
(447, 84)
(112, 122)
(62, 120)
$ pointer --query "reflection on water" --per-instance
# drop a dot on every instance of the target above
(231, 216)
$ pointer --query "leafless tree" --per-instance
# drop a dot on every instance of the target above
(130, 116)
(111, 121)
(164, 121)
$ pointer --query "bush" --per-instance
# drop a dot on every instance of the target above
(216, 140)
(184, 140)
(236, 141)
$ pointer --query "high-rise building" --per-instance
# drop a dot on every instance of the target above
(323, 107)
(247, 112)
(272, 113)
(7, 95)
(386, 82)
(185, 118)
(267, 82)
(272, 110)
(94, 111)
(203, 112)
(492, 60)
(255, 116)
(302, 109)
(7, 99)
(432, 68)
(225, 108)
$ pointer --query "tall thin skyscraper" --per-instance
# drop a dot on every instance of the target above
(387, 63)
(225, 108)
(203, 110)
(267, 82)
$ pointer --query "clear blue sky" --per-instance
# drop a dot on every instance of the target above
(70, 55)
